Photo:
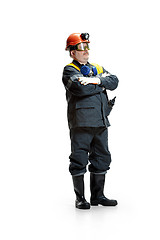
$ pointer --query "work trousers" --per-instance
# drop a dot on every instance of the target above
(89, 144)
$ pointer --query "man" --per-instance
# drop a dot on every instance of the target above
(88, 108)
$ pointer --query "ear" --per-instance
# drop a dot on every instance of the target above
(72, 53)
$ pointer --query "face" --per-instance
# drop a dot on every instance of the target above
(81, 56)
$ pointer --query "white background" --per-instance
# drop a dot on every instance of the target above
(36, 192)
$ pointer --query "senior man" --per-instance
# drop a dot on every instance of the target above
(86, 87)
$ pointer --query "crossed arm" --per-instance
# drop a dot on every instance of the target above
(79, 85)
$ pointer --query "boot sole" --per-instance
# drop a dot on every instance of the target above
(103, 204)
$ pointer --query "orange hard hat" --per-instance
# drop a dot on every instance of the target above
(76, 38)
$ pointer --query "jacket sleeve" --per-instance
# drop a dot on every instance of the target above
(71, 83)
(108, 82)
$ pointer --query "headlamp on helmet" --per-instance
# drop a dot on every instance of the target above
(85, 36)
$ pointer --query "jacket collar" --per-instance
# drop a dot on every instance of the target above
(78, 64)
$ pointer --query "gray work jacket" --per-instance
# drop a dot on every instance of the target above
(87, 104)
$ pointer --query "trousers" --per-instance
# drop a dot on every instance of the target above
(89, 145)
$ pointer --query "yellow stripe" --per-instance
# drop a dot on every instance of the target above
(99, 68)
(73, 65)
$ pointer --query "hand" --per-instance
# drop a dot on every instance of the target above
(89, 80)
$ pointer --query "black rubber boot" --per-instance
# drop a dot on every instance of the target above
(97, 182)
(78, 183)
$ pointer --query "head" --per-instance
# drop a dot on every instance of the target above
(78, 46)
(81, 56)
